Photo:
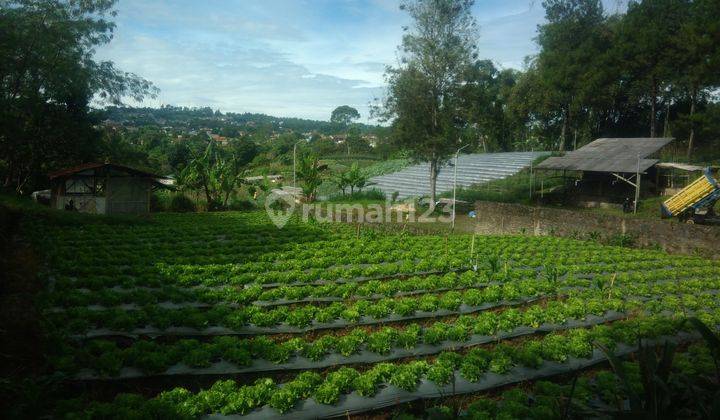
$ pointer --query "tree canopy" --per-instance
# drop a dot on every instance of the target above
(344, 115)
(424, 100)
(49, 76)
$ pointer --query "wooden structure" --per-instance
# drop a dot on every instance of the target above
(103, 188)
(673, 177)
(607, 164)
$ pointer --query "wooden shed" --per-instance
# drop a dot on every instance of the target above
(103, 188)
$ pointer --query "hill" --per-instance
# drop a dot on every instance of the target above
(195, 118)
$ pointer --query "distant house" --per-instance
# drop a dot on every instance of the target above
(223, 141)
(103, 188)
(339, 138)
(371, 139)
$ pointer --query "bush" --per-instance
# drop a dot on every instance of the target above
(157, 203)
(240, 205)
(182, 204)
(215, 205)
(371, 194)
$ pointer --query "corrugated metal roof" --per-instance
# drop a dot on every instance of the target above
(609, 155)
(681, 166)
(86, 166)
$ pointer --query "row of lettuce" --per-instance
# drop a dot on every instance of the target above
(79, 320)
(228, 397)
(106, 358)
(67, 295)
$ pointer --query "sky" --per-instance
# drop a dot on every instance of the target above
(289, 58)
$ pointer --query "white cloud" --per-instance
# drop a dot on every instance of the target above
(288, 57)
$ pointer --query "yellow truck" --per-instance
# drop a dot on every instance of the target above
(694, 203)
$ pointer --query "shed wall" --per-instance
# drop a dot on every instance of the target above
(128, 195)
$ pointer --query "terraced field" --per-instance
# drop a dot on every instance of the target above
(226, 315)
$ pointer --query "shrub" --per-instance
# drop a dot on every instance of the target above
(157, 203)
(240, 205)
(182, 204)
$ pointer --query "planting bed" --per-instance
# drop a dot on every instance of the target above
(322, 320)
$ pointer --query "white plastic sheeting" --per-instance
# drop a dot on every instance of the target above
(472, 169)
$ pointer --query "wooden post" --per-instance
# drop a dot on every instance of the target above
(532, 184)
(472, 246)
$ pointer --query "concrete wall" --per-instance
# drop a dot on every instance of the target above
(501, 218)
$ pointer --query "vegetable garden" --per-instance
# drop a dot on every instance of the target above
(226, 315)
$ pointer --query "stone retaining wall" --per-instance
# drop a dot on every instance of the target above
(502, 218)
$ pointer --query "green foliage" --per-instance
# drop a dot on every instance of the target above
(217, 172)
(441, 373)
(327, 393)
(311, 172)
(344, 115)
(422, 97)
(49, 77)
(181, 203)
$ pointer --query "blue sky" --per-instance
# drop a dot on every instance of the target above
(295, 58)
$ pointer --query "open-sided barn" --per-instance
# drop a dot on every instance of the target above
(103, 188)
(612, 169)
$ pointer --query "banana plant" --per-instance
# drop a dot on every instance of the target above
(357, 178)
(311, 171)
(342, 181)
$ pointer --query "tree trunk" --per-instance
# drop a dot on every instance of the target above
(666, 127)
(653, 107)
(691, 138)
(207, 192)
(433, 182)
(575, 140)
(563, 133)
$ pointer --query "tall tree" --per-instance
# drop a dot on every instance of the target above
(647, 48)
(567, 58)
(344, 115)
(698, 65)
(486, 94)
(424, 92)
(48, 76)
